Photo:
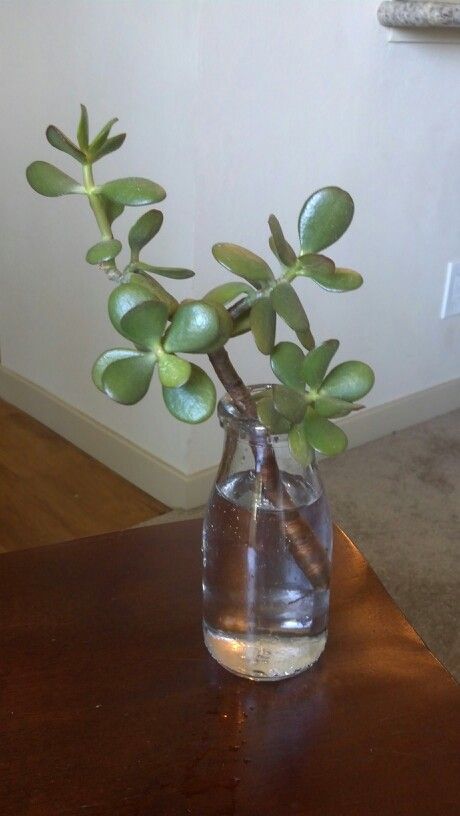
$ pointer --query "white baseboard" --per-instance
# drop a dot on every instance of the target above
(178, 489)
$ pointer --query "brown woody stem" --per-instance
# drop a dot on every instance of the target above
(307, 551)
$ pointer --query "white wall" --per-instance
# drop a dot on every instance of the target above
(239, 108)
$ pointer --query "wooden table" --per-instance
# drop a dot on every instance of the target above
(112, 707)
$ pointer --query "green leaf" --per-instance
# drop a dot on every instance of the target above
(338, 280)
(286, 362)
(101, 137)
(317, 362)
(244, 263)
(324, 218)
(227, 292)
(270, 417)
(103, 251)
(324, 436)
(299, 446)
(289, 403)
(311, 265)
(157, 291)
(193, 402)
(145, 228)
(307, 339)
(173, 371)
(195, 328)
(349, 381)
(124, 374)
(241, 324)
(165, 271)
(226, 326)
(263, 325)
(112, 209)
(279, 245)
(287, 304)
(332, 407)
(145, 324)
(83, 129)
(60, 141)
(133, 192)
(47, 180)
(125, 297)
(110, 146)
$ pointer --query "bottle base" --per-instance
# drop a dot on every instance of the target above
(266, 657)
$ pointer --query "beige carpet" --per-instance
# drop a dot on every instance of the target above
(399, 499)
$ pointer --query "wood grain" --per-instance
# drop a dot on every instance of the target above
(51, 491)
(111, 705)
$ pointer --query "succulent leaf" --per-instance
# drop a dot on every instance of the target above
(269, 416)
(287, 304)
(306, 338)
(338, 280)
(145, 228)
(323, 435)
(165, 271)
(60, 141)
(103, 251)
(311, 265)
(133, 192)
(110, 146)
(124, 374)
(194, 401)
(227, 292)
(283, 251)
(244, 263)
(83, 129)
(263, 324)
(145, 324)
(324, 218)
(156, 290)
(317, 362)
(102, 136)
(333, 407)
(125, 297)
(173, 371)
(48, 180)
(299, 446)
(350, 381)
(286, 362)
(289, 403)
(195, 328)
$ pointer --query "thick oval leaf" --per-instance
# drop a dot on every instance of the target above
(289, 403)
(111, 144)
(317, 362)
(263, 325)
(145, 228)
(125, 297)
(299, 446)
(286, 362)
(227, 292)
(173, 371)
(193, 402)
(60, 141)
(124, 374)
(83, 129)
(102, 136)
(133, 192)
(333, 407)
(349, 381)
(287, 304)
(244, 263)
(324, 436)
(339, 280)
(103, 251)
(145, 324)
(112, 209)
(226, 327)
(166, 271)
(310, 265)
(324, 218)
(156, 290)
(269, 416)
(280, 246)
(47, 180)
(195, 328)
(307, 339)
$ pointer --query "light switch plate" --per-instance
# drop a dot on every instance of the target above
(451, 299)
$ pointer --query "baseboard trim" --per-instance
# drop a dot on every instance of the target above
(180, 490)
(156, 477)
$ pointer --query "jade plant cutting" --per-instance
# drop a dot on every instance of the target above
(160, 334)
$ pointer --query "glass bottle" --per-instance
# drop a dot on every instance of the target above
(267, 543)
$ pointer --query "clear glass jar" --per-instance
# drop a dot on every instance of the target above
(267, 544)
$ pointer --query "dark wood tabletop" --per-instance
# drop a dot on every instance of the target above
(110, 704)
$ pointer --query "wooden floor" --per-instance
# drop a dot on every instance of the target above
(50, 491)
